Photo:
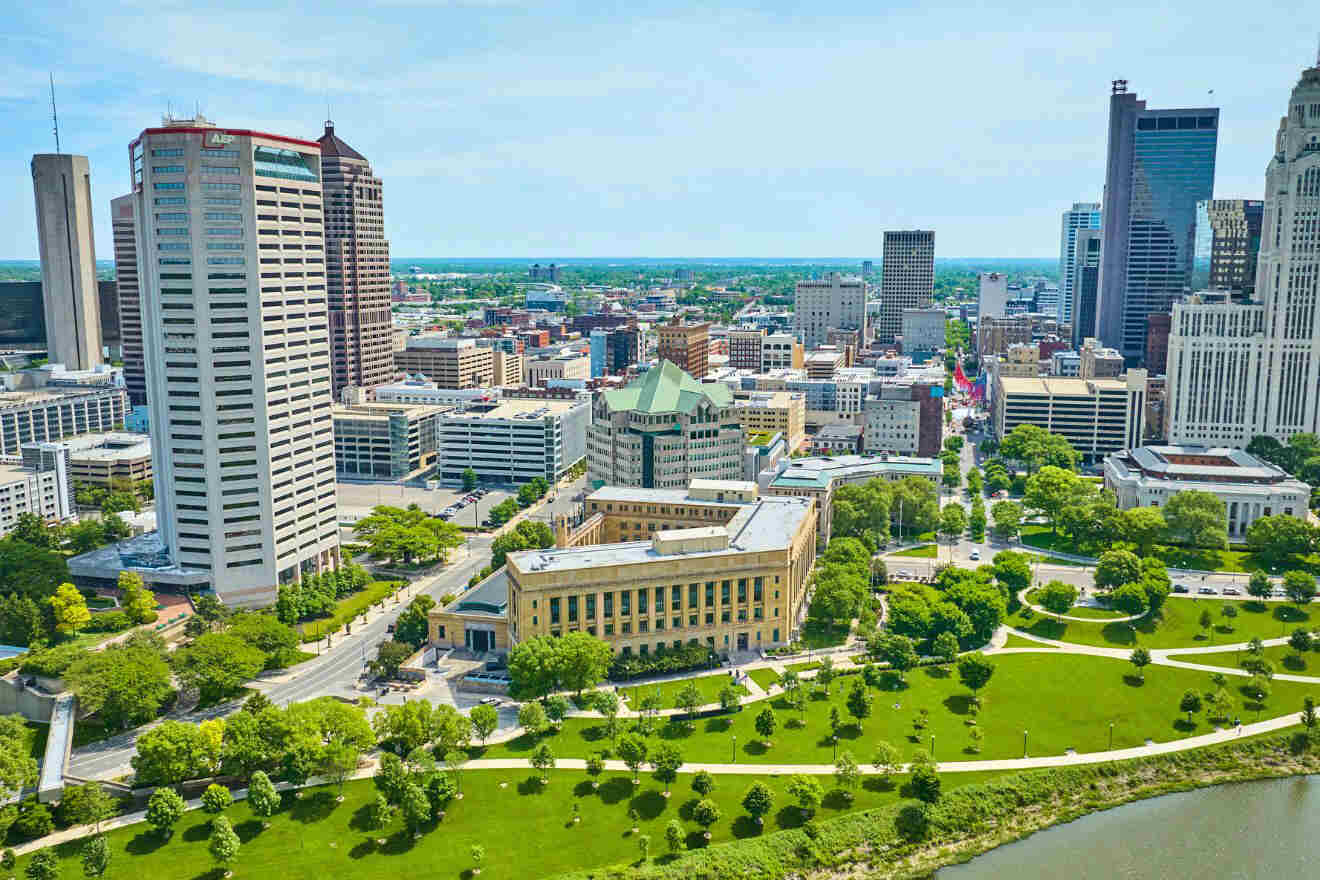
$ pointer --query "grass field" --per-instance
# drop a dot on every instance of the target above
(927, 551)
(1178, 627)
(1016, 641)
(709, 685)
(1283, 657)
(1066, 701)
(318, 838)
(1080, 610)
(764, 677)
(346, 609)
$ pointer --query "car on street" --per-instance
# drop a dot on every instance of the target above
(1232, 591)
(1181, 588)
(1208, 591)
(904, 575)
(490, 701)
(974, 555)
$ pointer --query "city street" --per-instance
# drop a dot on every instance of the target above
(337, 672)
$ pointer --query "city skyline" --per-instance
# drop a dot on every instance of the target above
(699, 140)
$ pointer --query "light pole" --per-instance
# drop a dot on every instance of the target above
(1024, 743)
(1111, 736)
(735, 748)
(932, 745)
(836, 746)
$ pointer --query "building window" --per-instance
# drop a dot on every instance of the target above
(609, 605)
(626, 627)
(742, 590)
(710, 594)
(641, 601)
(758, 589)
(725, 588)
(572, 608)
(725, 616)
(591, 606)
(554, 611)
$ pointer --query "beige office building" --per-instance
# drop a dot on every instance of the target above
(1097, 416)
(385, 441)
(449, 363)
(569, 365)
(771, 412)
(62, 184)
(821, 305)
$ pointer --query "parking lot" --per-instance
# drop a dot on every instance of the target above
(357, 499)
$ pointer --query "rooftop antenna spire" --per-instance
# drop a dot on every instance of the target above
(54, 116)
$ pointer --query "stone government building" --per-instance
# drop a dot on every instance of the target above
(649, 569)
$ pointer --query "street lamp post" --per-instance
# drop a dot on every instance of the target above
(735, 748)
(1111, 736)
(836, 747)
(1024, 743)
(932, 745)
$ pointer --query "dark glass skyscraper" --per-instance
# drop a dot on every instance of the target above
(1161, 163)
(1227, 244)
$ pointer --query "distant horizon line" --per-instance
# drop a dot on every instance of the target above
(782, 260)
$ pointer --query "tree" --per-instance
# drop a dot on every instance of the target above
(924, 779)
(900, 653)
(43, 866)
(1279, 537)
(138, 602)
(1007, 516)
(688, 699)
(17, 767)
(412, 625)
(378, 813)
(532, 718)
(758, 801)
(1115, 568)
(95, 856)
(124, 685)
(339, 760)
(886, 760)
(1259, 586)
(729, 698)
(706, 813)
(1057, 597)
(86, 804)
(632, 751)
(846, 775)
(644, 846)
(584, 660)
(859, 701)
(165, 807)
(217, 665)
(416, 808)
(1131, 599)
(674, 836)
(262, 796)
(1052, 490)
(1308, 715)
(1228, 612)
(974, 671)
(945, 646)
(1142, 526)
(1190, 703)
(1300, 641)
(534, 667)
(484, 720)
(224, 843)
(1206, 621)
(953, 521)
(765, 724)
(70, 609)
(1140, 658)
(389, 657)
(1034, 448)
(806, 791)
(170, 753)
(1013, 570)
(557, 707)
(391, 779)
(825, 674)
(216, 798)
(1299, 587)
(1197, 518)
(469, 479)
(607, 704)
(665, 760)
(542, 760)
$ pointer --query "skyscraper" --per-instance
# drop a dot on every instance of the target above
(62, 185)
(907, 279)
(1086, 284)
(1227, 244)
(123, 220)
(833, 303)
(232, 274)
(1082, 215)
(1236, 371)
(687, 345)
(357, 265)
(1161, 163)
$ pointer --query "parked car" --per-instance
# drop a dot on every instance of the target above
(1181, 588)
(1232, 591)
(1207, 591)
(490, 701)
(974, 555)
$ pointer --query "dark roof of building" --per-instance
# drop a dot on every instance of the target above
(331, 145)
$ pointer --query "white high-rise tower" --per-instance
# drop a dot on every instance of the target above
(1236, 371)
(231, 264)
(1082, 215)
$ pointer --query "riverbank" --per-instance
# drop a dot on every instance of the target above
(906, 841)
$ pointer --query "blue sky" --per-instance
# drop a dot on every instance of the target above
(543, 129)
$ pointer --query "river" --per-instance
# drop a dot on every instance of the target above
(1247, 830)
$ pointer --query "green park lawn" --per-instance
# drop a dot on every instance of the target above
(817, 634)
(1178, 625)
(709, 686)
(1080, 610)
(764, 677)
(926, 551)
(527, 829)
(1285, 660)
(1016, 641)
(1064, 700)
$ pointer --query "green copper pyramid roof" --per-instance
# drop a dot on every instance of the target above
(667, 389)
